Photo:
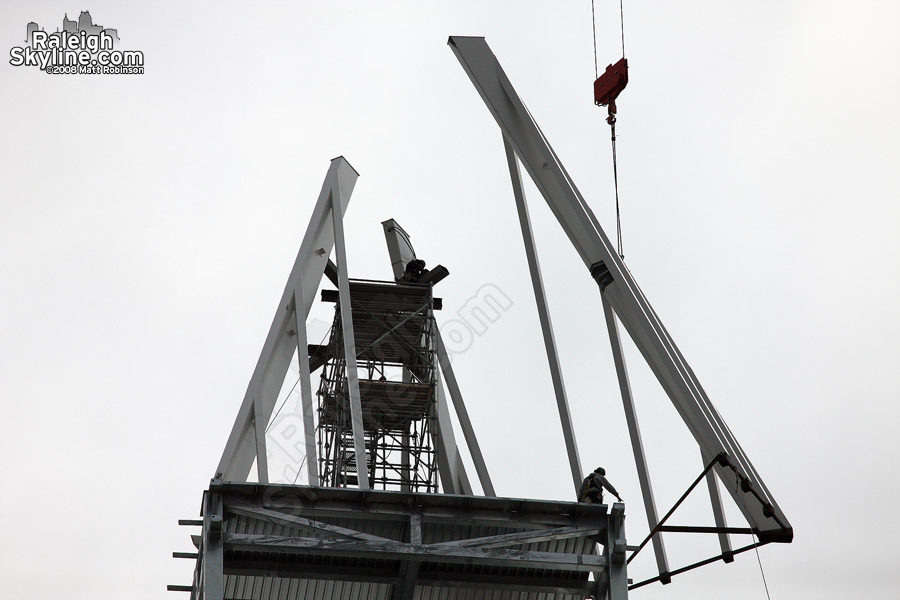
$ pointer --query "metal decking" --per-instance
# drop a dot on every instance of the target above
(387, 405)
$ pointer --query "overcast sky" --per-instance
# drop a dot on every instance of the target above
(149, 223)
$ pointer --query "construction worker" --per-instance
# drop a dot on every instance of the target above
(415, 269)
(592, 487)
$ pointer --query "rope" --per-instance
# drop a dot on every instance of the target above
(737, 486)
(299, 469)
(766, 585)
(293, 387)
(612, 124)
(594, 25)
(272, 420)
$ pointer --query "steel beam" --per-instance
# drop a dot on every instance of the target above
(718, 513)
(522, 537)
(306, 401)
(615, 551)
(450, 465)
(212, 576)
(302, 523)
(584, 563)
(399, 247)
(463, 415)
(540, 298)
(260, 420)
(637, 444)
(278, 349)
(405, 589)
(618, 286)
(356, 419)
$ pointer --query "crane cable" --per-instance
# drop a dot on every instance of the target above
(763, 573)
(737, 485)
(611, 119)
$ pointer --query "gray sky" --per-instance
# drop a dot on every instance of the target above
(149, 223)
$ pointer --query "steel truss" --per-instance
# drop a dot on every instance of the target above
(623, 302)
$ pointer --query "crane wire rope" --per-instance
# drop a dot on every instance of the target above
(612, 123)
(293, 387)
(763, 573)
(277, 412)
(594, 26)
(737, 486)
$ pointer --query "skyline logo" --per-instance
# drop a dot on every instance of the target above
(79, 48)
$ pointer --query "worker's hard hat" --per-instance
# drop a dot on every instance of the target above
(600, 470)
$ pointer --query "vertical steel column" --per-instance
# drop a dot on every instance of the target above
(405, 474)
(309, 428)
(540, 298)
(213, 554)
(356, 419)
(637, 444)
(260, 421)
(615, 551)
(405, 477)
(463, 415)
(450, 466)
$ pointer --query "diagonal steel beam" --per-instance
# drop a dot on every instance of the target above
(619, 288)
(349, 339)
(278, 349)
(280, 518)
(637, 444)
(521, 537)
(540, 297)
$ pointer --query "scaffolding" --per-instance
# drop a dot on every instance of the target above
(393, 327)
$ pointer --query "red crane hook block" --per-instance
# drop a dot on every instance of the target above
(608, 86)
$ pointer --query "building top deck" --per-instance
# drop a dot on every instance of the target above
(289, 541)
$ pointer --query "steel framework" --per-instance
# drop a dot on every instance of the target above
(384, 421)
(266, 542)
(381, 396)
(623, 302)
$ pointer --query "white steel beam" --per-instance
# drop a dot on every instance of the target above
(540, 298)
(302, 523)
(212, 576)
(615, 551)
(356, 418)
(306, 402)
(715, 499)
(450, 465)
(278, 349)
(637, 444)
(521, 559)
(463, 415)
(619, 287)
(522, 537)
(399, 247)
(260, 420)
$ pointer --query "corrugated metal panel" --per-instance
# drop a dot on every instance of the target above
(243, 587)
